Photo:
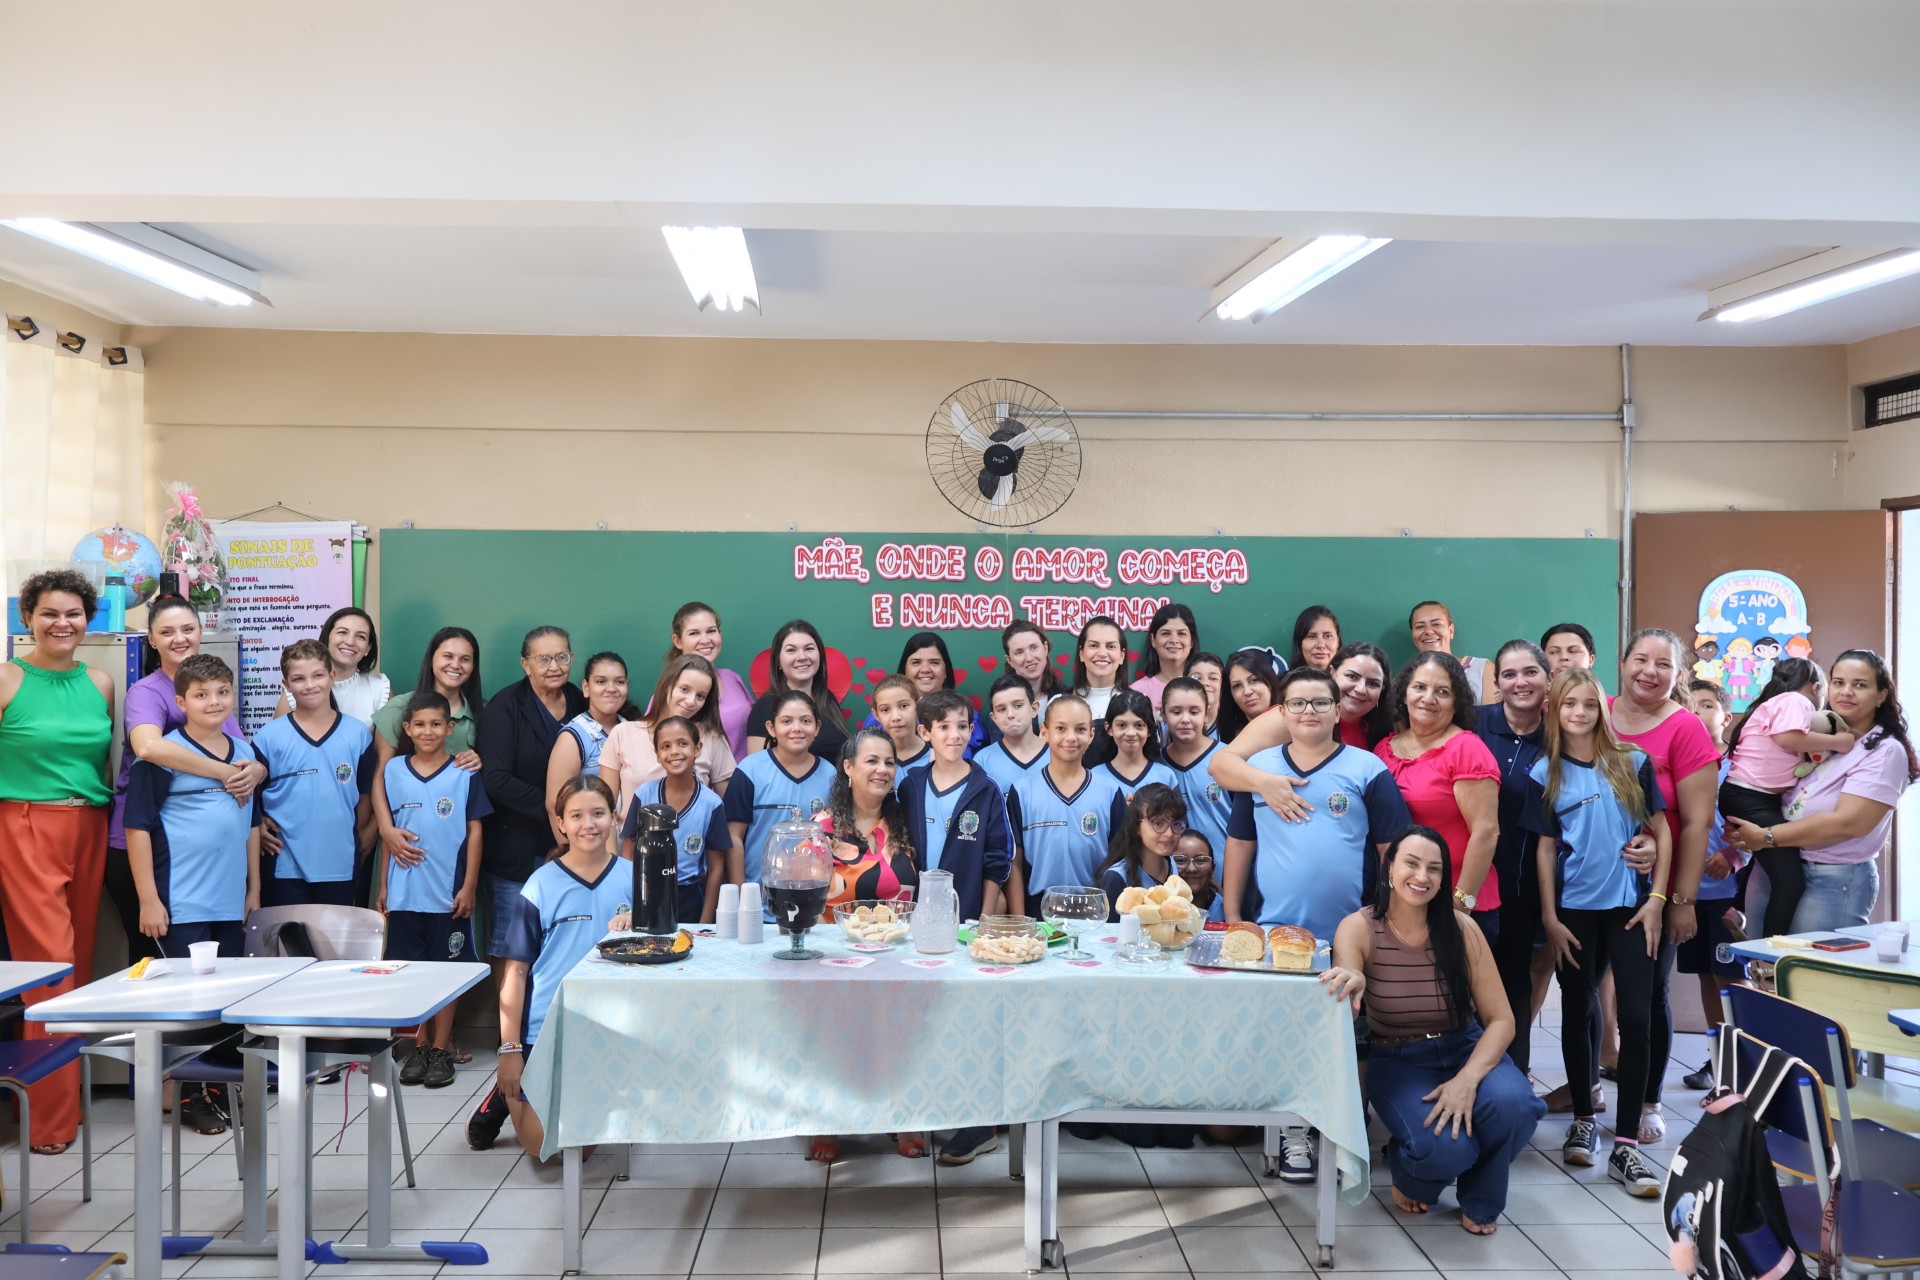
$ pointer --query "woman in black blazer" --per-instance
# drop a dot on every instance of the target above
(515, 740)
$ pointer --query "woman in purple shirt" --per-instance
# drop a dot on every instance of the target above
(173, 636)
(1842, 812)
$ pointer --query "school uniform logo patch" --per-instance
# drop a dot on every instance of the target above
(695, 843)
(1337, 804)
(342, 771)
(1214, 793)
(969, 823)
(1089, 824)
(456, 943)
(443, 806)
(816, 806)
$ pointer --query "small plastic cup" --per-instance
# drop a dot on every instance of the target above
(726, 916)
(1903, 930)
(201, 955)
(1887, 946)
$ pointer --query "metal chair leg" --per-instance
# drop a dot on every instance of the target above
(238, 1130)
(179, 1097)
(400, 1118)
(86, 1129)
(26, 1152)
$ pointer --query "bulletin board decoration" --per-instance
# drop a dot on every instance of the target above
(1749, 619)
(867, 592)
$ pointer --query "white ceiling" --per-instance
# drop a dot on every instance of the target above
(1553, 171)
(958, 286)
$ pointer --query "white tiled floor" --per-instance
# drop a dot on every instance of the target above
(762, 1209)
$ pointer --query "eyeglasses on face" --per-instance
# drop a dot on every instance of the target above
(1166, 825)
(547, 661)
(1194, 863)
(1301, 705)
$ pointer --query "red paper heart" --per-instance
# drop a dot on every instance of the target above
(875, 675)
(989, 662)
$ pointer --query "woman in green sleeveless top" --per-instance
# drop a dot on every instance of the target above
(56, 733)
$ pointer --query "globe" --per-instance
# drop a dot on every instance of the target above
(127, 555)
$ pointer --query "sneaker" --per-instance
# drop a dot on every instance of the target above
(1581, 1144)
(1296, 1156)
(1627, 1168)
(415, 1069)
(1653, 1128)
(1701, 1079)
(203, 1113)
(965, 1144)
(439, 1072)
(484, 1125)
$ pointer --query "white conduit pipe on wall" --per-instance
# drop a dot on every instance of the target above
(1625, 416)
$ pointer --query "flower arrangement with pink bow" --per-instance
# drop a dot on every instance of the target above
(188, 546)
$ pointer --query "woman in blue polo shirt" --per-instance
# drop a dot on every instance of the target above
(1512, 730)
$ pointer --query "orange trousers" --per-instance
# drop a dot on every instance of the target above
(52, 866)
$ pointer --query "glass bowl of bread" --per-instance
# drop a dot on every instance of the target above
(1169, 921)
(869, 923)
(1007, 940)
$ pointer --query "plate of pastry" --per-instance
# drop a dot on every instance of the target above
(1249, 948)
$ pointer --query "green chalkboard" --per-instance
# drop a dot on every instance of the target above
(618, 591)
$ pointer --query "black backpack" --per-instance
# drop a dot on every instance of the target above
(1721, 1203)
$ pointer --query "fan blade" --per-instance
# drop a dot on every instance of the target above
(1002, 493)
(967, 431)
(1040, 435)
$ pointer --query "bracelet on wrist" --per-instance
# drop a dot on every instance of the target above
(1661, 896)
(512, 1047)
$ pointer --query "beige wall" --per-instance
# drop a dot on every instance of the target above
(503, 432)
(1883, 462)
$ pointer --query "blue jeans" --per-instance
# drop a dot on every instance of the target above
(1423, 1162)
(1837, 895)
(497, 896)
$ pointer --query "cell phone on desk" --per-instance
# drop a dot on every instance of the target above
(1837, 942)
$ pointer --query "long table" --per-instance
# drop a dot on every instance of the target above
(732, 1045)
(1860, 957)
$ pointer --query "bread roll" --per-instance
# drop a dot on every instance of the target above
(1244, 943)
(1179, 888)
(1148, 912)
(1158, 894)
(1293, 947)
(1166, 935)
(1130, 897)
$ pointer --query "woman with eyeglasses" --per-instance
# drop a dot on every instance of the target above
(1141, 852)
(518, 728)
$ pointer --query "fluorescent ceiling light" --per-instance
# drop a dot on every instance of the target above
(151, 254)
(1820, 278)
(716, 266)
(1287, 269)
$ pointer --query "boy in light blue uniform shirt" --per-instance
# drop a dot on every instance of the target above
(194, 851)
(1018, 751)
(429, 904)
(320, 767)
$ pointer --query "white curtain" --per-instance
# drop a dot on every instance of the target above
(72, 448)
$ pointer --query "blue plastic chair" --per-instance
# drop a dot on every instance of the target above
(1869, 1149)
(28, 1062)
(1877, 1225)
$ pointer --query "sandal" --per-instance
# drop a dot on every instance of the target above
(52, 1149)
(911, 1145)
(1478, 1228)
(462, 1054)
(824, 1150)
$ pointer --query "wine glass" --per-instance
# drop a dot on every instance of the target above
(1076, 910)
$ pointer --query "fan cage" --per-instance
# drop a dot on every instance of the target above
(1048, 470)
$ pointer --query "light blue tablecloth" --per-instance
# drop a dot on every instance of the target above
(732, 1045)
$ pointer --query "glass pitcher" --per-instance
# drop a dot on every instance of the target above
(936, 921)
(797, 875)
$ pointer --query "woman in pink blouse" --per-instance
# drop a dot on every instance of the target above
(1447, 776)
(1842, 812)
(1686, 764)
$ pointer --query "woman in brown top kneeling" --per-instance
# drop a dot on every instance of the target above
(1457, 1109)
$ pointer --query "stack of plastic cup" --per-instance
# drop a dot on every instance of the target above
(726, 916)
(749, 928)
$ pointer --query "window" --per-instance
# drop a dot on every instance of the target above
(1896, 400)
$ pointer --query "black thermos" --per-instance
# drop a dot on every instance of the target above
(656, 872)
